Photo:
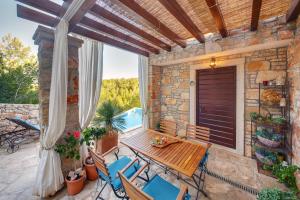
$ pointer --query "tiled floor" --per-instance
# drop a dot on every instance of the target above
(17, 174)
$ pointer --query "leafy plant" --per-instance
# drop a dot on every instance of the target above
(106, 117)
(285, 174)
(278, 120)
(70, 147)
(91, 134)
(275, 194)
(271, 136)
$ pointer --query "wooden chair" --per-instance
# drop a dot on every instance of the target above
(157, 188)
(109, 173)
(202, 134)
(168, 127)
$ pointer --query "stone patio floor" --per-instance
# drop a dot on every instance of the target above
(17, 175)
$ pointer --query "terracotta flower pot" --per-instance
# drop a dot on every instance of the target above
(91, 171)
(107, 142)
(74, 187)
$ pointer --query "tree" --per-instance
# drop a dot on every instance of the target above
(122, 92)
(18, 72)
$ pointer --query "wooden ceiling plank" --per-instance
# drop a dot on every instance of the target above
(293, 11)
(256, 7)
(36, 16)
(84, 8)
(103, 13)
(218, 17)
(159, 26)
(44, 5)
(176, 10)
(105, 29)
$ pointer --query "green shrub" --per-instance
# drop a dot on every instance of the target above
(275, 194)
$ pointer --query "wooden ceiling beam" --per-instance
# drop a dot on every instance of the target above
(293, 11)
(160, 27)
(256, 7)
(176, 10)
(103, 13)
(60, 10)
(96, 36)
(105, 29)
(218, 17)
(84, 8)
(44, 5)
(36, 16)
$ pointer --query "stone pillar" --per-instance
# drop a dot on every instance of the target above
(44, 38)
(154, 95)
(294, 78)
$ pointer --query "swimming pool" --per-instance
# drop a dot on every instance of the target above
(133, 119)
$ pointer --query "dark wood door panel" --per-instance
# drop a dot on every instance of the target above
(216, 104)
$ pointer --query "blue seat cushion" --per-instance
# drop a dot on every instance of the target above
(160, 189)
(116, 166)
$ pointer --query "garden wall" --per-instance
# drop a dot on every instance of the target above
(170, 84)
(26, 111)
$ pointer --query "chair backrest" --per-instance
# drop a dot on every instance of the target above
(132, 191)
(198, 133)
(99, 162)
(168, 127)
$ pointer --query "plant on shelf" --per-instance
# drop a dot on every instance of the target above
(89, 136)
(106, 117)
(269, 139)
(285, 174)
(278, 120)
(275, 194)
(69, 149)
(265, 156)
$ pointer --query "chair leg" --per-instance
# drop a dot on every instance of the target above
(117, 154)
(98, 196)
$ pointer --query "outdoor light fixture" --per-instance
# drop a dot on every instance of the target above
(213, 62)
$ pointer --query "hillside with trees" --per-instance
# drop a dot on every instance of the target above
(18, 72)
(123, 92)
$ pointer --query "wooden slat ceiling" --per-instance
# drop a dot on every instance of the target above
(117, 22)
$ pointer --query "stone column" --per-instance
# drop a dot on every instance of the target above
(294, 78)
(154, 95)
(44, 38)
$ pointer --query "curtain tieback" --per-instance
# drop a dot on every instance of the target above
(47, 149)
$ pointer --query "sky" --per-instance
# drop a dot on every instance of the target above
(117, 63)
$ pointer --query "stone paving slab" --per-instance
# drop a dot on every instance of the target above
(17, 175)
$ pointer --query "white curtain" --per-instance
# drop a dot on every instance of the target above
(90, 79)
(49, 177)
(143, 86)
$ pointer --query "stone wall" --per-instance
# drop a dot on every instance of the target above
(294, 77)
(174, 79)
(29, 112)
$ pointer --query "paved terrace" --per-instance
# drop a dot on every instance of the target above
(17, 174)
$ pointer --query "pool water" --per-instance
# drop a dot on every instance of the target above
(133, 119)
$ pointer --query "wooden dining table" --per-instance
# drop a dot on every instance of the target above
(184, 156)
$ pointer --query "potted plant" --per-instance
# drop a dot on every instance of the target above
(89, 136)
(69, 149)
(269, 139)
(106, 117)
(264, 156)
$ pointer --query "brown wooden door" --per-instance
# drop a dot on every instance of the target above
(216, 104)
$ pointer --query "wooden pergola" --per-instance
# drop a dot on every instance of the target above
(149, 26)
